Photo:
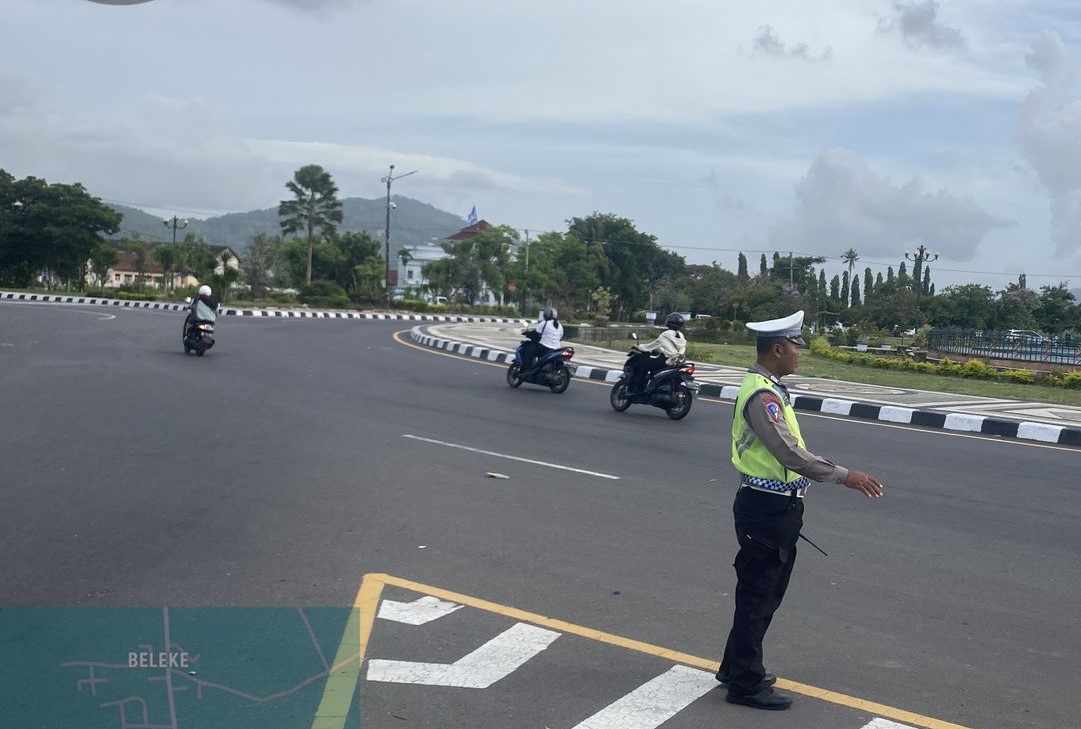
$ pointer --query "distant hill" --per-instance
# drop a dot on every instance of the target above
(412, 223)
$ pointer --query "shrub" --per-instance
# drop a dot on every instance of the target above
(1067, 380)
(1024, 377)
(324, 294)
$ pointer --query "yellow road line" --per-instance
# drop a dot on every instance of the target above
(344, 676)
(368, 601)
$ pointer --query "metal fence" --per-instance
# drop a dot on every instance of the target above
(1004, 346)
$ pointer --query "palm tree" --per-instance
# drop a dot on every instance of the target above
(316, 207)
(850, 257)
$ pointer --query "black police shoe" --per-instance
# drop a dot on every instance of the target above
(769, 679)
(767, 698)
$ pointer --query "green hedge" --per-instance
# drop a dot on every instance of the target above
(973, 369)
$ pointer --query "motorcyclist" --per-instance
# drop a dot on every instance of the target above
(202, 308)
(545, 337)
(664, 350)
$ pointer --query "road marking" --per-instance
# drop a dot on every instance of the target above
(510, 457)
(420, 611)
(371, 587)
(885, 724)
(494, 660)
(656, 701)
(344, 678)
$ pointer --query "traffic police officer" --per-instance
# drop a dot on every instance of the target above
(775, 468)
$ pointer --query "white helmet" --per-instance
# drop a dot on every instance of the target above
(204, 290)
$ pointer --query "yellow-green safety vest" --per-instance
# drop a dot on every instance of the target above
(749, 455)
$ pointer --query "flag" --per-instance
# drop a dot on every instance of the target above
(472, 217)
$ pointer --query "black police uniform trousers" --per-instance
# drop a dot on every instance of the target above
(767, 526)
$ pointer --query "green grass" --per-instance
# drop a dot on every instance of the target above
(740, 355)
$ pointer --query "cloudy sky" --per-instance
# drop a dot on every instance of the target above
(716, 126)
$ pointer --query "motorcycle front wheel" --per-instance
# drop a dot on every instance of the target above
(514, 378)
(682, 401)
(618, 397)
(562, 381)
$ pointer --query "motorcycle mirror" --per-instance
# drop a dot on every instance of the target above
(634, 336)
(187, 300)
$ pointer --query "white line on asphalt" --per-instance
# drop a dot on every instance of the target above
(880, 723)
(420, 611)
(496, 659)
(655, 701)
(511, 458)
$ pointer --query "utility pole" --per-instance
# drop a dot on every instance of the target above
(386, 231)
(525, 284)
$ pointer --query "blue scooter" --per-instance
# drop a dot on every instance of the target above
(552, 370)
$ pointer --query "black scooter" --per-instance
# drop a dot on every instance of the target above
(671, 389)
(198, 334)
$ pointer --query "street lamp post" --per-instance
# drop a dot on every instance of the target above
(175, 223)
(921, 256)
(386, 231)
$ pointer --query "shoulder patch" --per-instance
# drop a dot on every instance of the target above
(773, 406)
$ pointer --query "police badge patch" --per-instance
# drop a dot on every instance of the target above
(773, 406)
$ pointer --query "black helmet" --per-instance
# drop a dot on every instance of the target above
(550, 313)
(674, 321)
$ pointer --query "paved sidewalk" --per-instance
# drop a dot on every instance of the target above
(1007, 418)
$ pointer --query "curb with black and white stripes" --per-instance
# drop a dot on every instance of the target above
(964, 422)
(262, 313)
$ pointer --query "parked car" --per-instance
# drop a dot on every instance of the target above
(1025, 336)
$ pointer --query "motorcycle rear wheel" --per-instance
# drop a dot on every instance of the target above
(514, 378)
(618, 397)
(682, 406)
(562, 380)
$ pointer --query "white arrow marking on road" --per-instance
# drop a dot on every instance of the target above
(885, 724)
(420, 611)
(494, 660)
(654, 702)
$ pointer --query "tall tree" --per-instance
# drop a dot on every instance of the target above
(971, 306)
(868, 284)
(1056, 312)
(171, 258)
(49, 230)
(636, 262)
(741, 272)
(259, 263)
(856, 291)
(845, 300)
(102, 257)
(315, 207)
(140, 253)
(850, 257)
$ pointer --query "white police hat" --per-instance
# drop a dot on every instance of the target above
(789, 327)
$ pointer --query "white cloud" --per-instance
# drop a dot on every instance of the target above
(529, 112)
(917, 24)
(768, 42)
(1049, 136)
(842, 203)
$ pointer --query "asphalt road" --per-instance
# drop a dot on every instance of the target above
(277, 471)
